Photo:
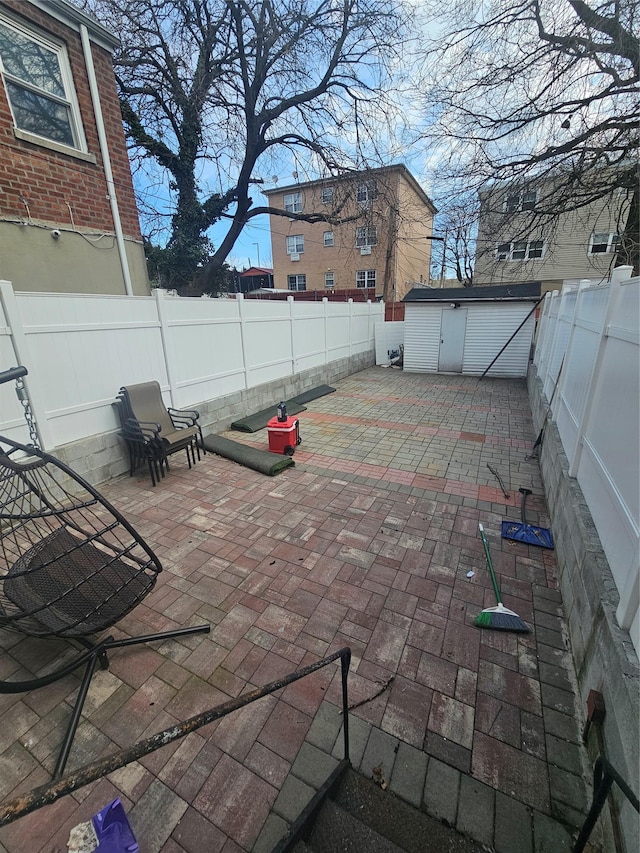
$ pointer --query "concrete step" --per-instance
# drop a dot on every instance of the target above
(301, 847)
(400, 824)
(339, 831)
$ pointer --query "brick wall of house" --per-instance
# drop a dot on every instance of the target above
(49, 182)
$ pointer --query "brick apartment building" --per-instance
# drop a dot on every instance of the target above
(376, 234)
(68, 216)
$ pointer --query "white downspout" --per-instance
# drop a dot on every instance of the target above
(106, 160)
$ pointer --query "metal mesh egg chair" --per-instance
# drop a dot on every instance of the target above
(71, 567)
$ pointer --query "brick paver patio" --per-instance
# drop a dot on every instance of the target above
(367, 542)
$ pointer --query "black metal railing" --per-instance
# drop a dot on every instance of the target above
(49, 793)
(604, 776)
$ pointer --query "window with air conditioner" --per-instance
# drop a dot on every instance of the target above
(328, 239)
(329, 280)
(604, 243)
(367, 236)
(297, 282)
(365, 278)
(295, 244)
(293, 202)
(39, 85)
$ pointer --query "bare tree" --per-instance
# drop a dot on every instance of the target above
(457, 225)
(213, 90)
(543, 91)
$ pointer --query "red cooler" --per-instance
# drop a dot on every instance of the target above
(284, 436)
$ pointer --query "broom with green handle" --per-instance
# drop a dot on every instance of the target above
(500, 618)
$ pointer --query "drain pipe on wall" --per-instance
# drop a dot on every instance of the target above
(106, 160)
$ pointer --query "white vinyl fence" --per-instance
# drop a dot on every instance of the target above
(588, 359)
(79, 350)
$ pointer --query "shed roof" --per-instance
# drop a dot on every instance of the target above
(529, 292)
(256, 271)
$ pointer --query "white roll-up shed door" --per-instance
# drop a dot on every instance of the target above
(489, 327)
(421, 338)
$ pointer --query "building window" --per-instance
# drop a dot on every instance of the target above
(365, 193)
(295, 244)
(293, 202)
(520, 250)
(327, 195)
(521, 200)
(601, 244)
(39, 86)
(329, 279)
(365, 278)
(297, 282)
(328, 239)
(367, 236)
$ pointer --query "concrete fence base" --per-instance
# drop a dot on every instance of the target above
(103, 457)
(604, 656)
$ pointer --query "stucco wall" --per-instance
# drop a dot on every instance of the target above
(34, 260)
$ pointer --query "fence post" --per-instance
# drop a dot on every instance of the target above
(325, 303)
(350, 327)
(167, 348)
(617, 277)
(559, 343)
(241, 317)
(291, 302)
(542, 334)
(24, 357)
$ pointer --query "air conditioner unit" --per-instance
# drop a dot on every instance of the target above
(295, 256)
(365, 250)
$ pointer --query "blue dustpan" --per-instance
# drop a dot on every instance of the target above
(530, 534)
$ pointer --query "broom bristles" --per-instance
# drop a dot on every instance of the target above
(500, 618)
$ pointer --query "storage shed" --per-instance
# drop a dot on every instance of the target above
(462, 329)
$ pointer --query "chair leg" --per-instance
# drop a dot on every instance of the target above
(65, 749)
(98, 656)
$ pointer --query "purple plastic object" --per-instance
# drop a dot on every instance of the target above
(113, 830)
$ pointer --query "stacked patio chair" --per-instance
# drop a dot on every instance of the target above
(152, 432)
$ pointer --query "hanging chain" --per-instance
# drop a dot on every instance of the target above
(23, 396)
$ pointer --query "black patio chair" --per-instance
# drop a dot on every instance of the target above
(71, 567)
(166, 430)
(141, 442)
